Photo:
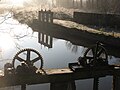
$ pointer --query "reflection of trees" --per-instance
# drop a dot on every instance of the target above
(114, 60)
(75, 48)
(70, 46)
(8, 26)
(5, 16)
(16, 35)
(16, 40)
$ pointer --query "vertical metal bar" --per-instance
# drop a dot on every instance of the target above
(47, 16)
(63, 86)
(51, 16)
(96, 50)
(116, 82)
(43, 16)
(39, 16)
(96, 83)
(42, 38)
(71, 85)
(47, 40)
(23, 87)
(51, 42)
(39, 37)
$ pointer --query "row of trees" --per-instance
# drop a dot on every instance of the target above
(105, 6)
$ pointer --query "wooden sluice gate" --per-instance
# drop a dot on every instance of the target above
(87, 67)
(45, 16)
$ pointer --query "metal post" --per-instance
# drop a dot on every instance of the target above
(42, 15)
(23, 87)
(50, 16)
(43, 36)
(63, 86)
(39, 37)
(51, 42)
(96, 83)
(47, 16)
(46, 39)
(116, 82)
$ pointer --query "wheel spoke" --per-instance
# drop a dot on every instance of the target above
(28, 55)
(20, 59)
(35, 59)
(93, 51)
(28, 58)
(88, 57)
(104, 59)
(99, 52)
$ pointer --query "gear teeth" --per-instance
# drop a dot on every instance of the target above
(26, 49)
(98, 82)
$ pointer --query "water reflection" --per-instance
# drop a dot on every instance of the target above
(114, 60)
(70, 46)
(45, 40)
(5, 39)
(11, 31)
(75, 48)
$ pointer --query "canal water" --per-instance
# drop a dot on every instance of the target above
(15, 36)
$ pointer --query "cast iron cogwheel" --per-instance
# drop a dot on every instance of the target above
(27, 60)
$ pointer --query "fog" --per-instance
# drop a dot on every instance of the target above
(99, 6)
(23, 3)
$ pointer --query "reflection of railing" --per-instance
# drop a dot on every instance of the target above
(45, 40)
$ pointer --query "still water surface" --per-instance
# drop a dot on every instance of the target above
(15, 36)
